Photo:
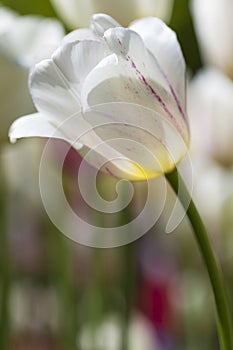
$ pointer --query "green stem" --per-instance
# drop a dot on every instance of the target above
(5, 273)
(225, 327)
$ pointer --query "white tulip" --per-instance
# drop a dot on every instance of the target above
(120, 96)
(77, 13)
(213, 20)
(211, 115)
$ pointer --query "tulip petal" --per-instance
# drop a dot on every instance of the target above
(80, 35)
(55, 83)
(125, 85)
(131, 75)
(115, 131)
(101, 22)
(162, 42)
(35, 125)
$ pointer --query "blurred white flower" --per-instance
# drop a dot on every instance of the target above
(213, 194)
(210, 105)
(23, 41)
(142, 335)
(211, 190)
(7, 18)
(213, 20)
(21, 168)
(107, 335)
(77, 13)
(33, 308)
(27, 39)
(120, 95)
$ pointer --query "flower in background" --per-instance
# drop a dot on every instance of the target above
(23, 41)
(7, 18)
(15, 161)
(213, 23)
(29, 299)
(211, 112)
(211, 190)
(26, 39)
(107, 334)
(77, 13)
(117, 92)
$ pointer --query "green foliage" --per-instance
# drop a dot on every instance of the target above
(40, 7)
(181, 22)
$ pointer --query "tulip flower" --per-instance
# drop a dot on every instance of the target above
(133, 77)
(211, 109)
(117, 95)
(213, 23)
(77, 13)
